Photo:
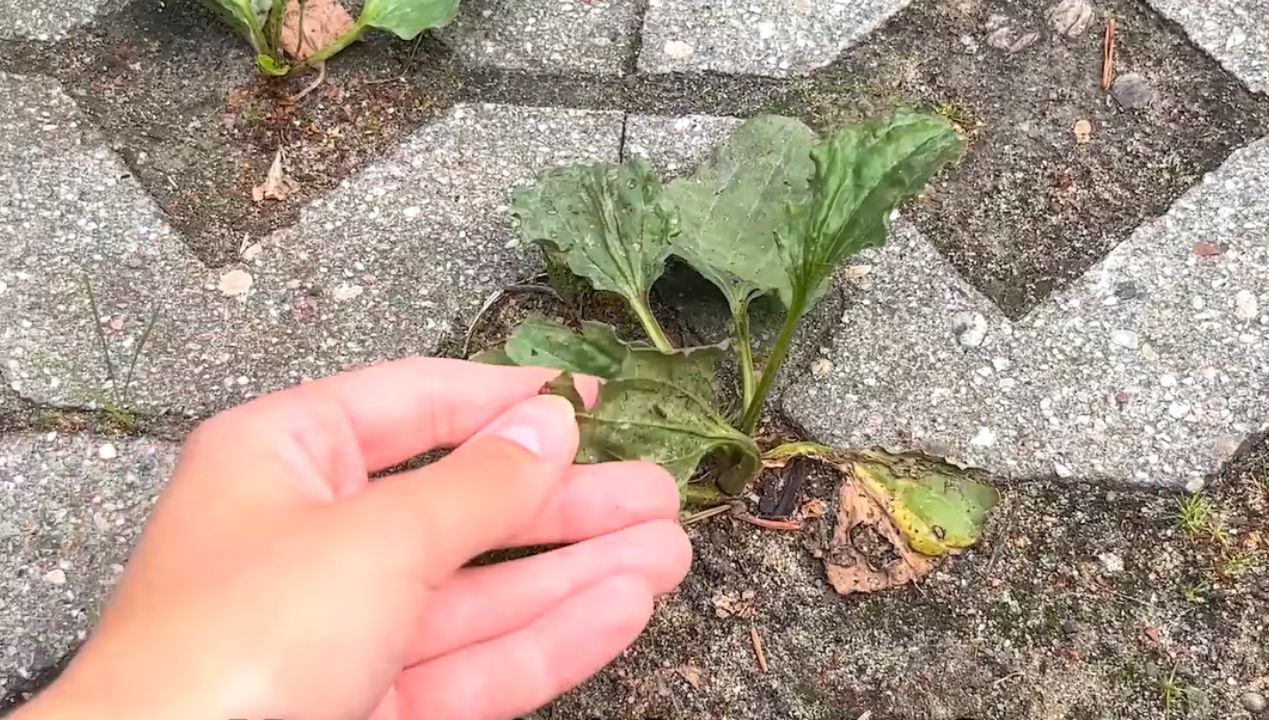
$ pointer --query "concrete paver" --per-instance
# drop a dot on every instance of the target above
(71, 508)
(775, 38)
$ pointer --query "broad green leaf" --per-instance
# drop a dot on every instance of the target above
(861, 174)
(563, 386)
(247, 17)
(653, 406)
(731, 207)
(652, 420)
(407, 18)
(609, 223)
(597, 351)
(493, 356)
(694, 370)
(938, 509)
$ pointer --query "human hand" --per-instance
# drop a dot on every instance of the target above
(273, 580)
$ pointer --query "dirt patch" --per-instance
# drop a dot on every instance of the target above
(176, 95)
(1031, 207)
(1039, 621)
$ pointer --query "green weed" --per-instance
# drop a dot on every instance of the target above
(1193, 514)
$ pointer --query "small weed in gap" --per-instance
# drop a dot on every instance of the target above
(1172, 694)
(955, 114)
(1193, 514)
(1197, 593)
(1237, 564)
(253, 115)
(115, 407)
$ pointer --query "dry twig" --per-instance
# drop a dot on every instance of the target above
(756, 639)
(704, 515)
(321, 77)
(1108, 55)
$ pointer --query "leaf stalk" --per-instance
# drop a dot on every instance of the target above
(744, 352)
(652, 327)
(753, 411)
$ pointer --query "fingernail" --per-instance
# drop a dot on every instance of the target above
(526, 424)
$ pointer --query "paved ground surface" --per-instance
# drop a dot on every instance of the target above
(1071, 317)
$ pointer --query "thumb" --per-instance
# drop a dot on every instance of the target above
(481, 494)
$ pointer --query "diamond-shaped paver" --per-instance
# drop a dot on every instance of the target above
(1236, 32)
(51, 19)
(777, 38)
(586, 36)
(1151, 369)
(393, 263)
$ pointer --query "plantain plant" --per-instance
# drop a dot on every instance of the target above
(774, 211)
(260, 22)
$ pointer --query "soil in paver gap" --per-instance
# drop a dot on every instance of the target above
(1029, 209)
(176, 95)
(1030, 624)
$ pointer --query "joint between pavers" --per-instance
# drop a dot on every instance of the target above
(630, 66)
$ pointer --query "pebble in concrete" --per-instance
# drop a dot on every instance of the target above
(392, 263)
(776, 38)
(1235, 32)
(68, 519)
(586, 36)
(49, 20)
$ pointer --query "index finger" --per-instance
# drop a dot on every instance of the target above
(400, 409)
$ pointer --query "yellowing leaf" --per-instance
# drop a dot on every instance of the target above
(939, 509)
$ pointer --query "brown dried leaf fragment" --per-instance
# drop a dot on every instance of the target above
(276, 185)
(320, 21)
(867, 553)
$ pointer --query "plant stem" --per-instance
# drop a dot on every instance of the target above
(740, 316)
(652, 327)
(753, 411)
(273, 25)
(702, 495)
(354, 33)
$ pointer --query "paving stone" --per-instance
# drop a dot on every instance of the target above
(675, 145)
(776, 38)
(585, 36)
(1151, 369)
(68, 520)
(49, 20)
(392, 263)
(1235, 32)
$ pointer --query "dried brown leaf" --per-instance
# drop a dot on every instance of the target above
(276, 185)
(867, 553)
(690, 674)
(324, 21)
